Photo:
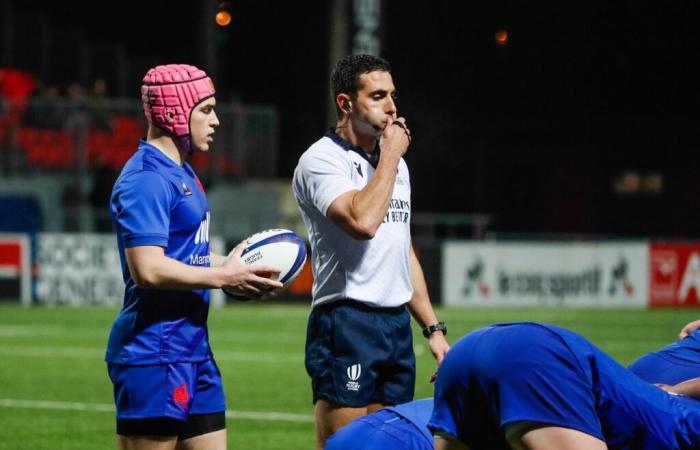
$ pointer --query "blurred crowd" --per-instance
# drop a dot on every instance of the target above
(44, 128)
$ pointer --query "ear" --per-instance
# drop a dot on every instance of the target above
(168, 115)
(343, 102)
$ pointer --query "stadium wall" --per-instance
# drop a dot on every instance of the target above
(79, 269)
(606, 274)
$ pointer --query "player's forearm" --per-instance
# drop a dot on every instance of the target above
(422, 310)
(690, 388)
(157, 271)
(217, 260)
(370, 205)
(420, 307)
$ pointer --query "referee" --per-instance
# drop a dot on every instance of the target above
(353, 189)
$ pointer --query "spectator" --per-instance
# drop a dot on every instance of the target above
(99, 107)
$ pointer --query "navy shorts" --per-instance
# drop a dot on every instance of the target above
(357, 354)
(166, 396)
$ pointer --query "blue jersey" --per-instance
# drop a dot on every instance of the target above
(418, 413)
(512, 373)
(672, 364)
(400, 427)
(157, 202)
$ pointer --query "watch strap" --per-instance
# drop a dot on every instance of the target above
(430, 329)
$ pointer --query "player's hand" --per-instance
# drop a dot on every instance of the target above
(689, 328)
(395, 138)
(439, 348)
(251, 281)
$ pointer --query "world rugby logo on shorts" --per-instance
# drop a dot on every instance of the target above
(353, 373)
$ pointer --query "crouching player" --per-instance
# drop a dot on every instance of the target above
(400, 427)
(535, 386)
(405, 427)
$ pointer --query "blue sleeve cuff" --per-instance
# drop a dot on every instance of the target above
(146, 239)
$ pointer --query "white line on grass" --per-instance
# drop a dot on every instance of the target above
(103, 407)
(81, 352)
(29, 330)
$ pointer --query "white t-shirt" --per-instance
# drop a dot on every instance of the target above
(374, 271)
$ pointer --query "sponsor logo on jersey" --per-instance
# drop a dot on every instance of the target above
(358, 167)
(399, 211)
(200, 260)
(353, 372)
(202, 235)
(181, 396)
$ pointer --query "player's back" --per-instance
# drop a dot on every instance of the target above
(530, 372)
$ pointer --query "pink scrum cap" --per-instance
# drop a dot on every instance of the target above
(169, 93)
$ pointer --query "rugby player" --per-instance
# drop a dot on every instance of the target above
(167, 387)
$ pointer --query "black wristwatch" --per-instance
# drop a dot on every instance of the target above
(430, 329)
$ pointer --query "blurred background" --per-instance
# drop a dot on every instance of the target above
(554, 169)
(532, 121)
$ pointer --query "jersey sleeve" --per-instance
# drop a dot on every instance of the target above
(321, 178)
(141, 208)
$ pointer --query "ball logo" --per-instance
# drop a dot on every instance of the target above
(353, 372)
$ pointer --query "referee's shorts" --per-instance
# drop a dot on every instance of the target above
(358, 354)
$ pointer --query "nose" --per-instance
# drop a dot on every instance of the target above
(390, 107)
(215, 120)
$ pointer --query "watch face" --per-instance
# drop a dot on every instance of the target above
(430, 329)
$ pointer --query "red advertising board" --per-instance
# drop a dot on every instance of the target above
(674, 278)
(15, 268)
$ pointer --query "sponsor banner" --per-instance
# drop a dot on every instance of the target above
(545, 274)
(675, 274)
(82, 269)
(15, 268)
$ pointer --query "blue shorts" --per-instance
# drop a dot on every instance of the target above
(167, 390)
(384, 429)
(357, 355)
(511, 373)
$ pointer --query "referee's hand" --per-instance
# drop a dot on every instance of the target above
(395, 138)
(439, 348)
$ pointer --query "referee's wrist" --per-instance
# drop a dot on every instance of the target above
(430, 329)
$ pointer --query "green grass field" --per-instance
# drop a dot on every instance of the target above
(55, 393)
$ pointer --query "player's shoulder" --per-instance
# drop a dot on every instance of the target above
(322, 153)
(142, 177)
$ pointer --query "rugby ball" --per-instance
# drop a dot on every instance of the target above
(278, 247)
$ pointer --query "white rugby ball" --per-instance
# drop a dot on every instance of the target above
(277, 247)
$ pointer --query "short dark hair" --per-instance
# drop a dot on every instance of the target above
(345, 77)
